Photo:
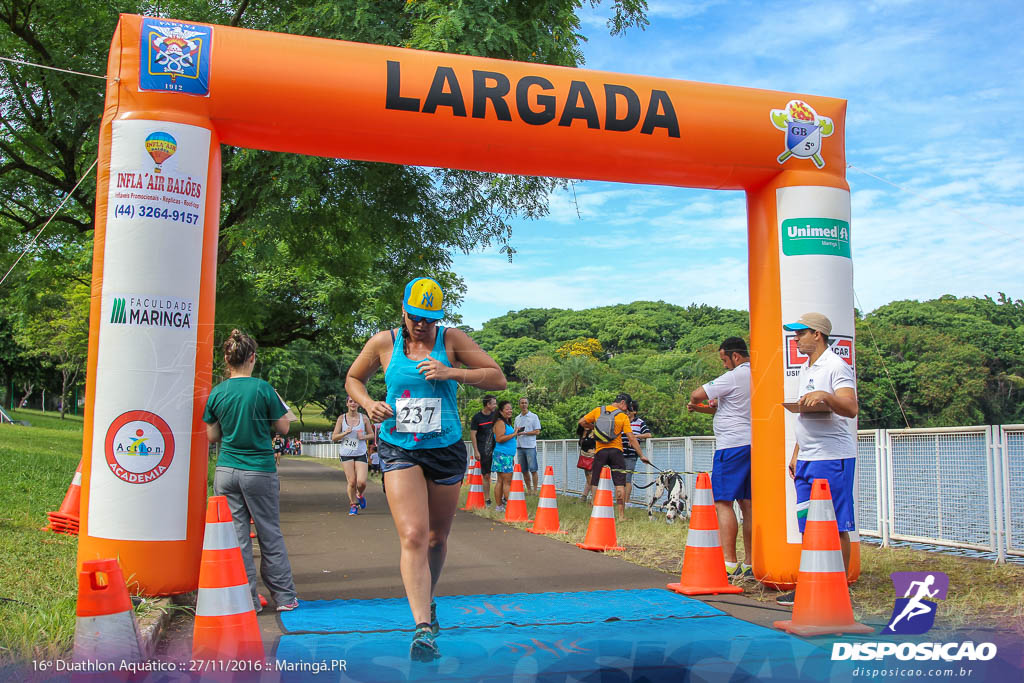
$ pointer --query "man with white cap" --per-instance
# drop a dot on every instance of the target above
(826, 439)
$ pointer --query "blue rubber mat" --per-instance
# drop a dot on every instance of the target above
(342, 616)
(710, 648)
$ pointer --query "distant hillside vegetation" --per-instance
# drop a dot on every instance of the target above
(952, 361)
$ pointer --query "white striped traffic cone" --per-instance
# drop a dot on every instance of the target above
(225, 623)
(703, 562)
(546, 520)
(601, 530)
(515, 510)
(475, 499)
(822, 604)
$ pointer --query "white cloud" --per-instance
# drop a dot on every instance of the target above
(934, 134)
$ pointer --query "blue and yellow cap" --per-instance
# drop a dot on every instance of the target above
(424, 297)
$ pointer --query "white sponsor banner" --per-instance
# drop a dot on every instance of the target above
(145, 372)
(816, 275)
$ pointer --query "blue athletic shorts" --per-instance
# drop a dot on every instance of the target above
(839, 474)
(730, 473)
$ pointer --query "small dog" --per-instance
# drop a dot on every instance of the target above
(672, 484)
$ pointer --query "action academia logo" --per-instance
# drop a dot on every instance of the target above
(139, 447)
(804, 131)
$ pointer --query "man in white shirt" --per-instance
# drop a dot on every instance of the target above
(527, 426)
(728, 399)
(826, 442)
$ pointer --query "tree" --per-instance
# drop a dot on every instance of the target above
(59, 337)
(587, 347)
(576, 373)
(306, 245)
(294, 371)
(509, 352)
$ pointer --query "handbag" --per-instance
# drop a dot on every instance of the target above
(586, 462)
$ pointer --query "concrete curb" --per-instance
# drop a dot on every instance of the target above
(152, 624)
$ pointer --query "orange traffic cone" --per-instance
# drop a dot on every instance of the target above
(105, 629)
(601, 530)
(546, 521)
(252, 531)
(225, 623)
(822, 603)
(475, 499)
(703, 562)
(515, 510)
(65, 520)
(467, 478)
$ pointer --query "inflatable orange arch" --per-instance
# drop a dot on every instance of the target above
(178, 90)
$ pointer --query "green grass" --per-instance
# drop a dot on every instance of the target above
(982, 593)
(38, 584)
(314, 421)
(37, 616)
(49, 419)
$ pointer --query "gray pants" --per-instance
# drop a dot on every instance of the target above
(257, 495)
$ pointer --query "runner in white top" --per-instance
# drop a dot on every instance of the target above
(728, 400)
(353, 431)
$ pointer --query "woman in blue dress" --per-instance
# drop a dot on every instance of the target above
(420, 443)
(503, 459)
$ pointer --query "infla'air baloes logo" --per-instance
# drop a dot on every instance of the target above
(914, 613)
(139, 447)
(175, 57)
(804, 131)
(161, 146)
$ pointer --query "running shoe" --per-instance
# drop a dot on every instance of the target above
(353, 510)
(434, 626)
(423, 648)
(499, 508)
(288, 606)
(488, 501)
(786, 599)
(362, 501)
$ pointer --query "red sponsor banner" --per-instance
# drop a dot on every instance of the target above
(841, 346)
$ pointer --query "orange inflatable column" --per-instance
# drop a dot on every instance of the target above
(151, 325)
(799, 261)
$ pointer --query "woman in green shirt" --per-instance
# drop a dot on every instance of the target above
(240, 413)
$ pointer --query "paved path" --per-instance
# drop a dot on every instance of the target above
(335, 556)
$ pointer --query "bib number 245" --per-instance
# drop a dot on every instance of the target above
(420, 415)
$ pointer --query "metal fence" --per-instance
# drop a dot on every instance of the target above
(961, 487)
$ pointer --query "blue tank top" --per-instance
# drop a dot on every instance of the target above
(508, 447)
(418, 403)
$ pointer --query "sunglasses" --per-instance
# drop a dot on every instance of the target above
(419, 318)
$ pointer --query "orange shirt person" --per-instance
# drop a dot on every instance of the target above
(610, 452)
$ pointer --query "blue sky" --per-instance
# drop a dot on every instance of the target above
(936, 106)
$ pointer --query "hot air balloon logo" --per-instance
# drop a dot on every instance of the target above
(160, 146)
